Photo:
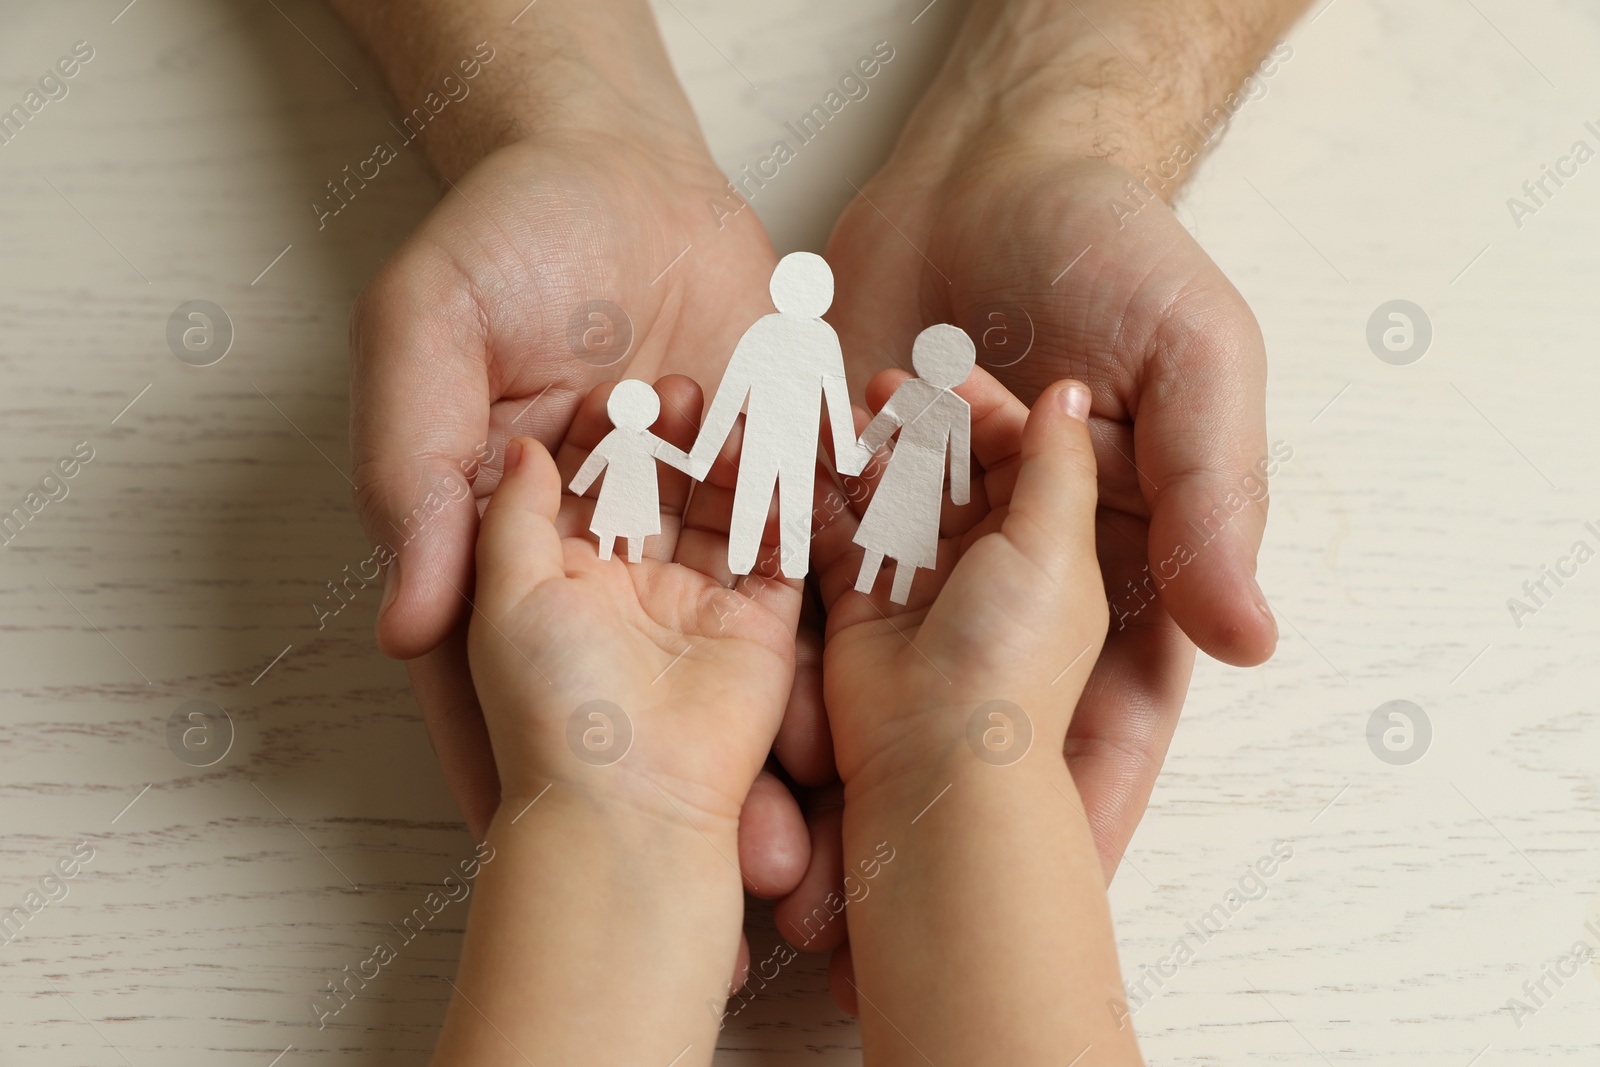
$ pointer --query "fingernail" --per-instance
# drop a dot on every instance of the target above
(391, 584)
(1075, 400)
(514, 449)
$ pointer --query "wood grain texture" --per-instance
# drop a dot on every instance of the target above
(190, 551)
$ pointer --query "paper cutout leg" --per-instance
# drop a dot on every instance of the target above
(900, 592)
(871, 564)
(795, 500)
(758, 477)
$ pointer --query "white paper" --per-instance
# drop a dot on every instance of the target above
(784, 370)
(629, 501)
(934, 424)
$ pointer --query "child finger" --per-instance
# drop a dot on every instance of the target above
(835, 557)
(518, 544)
(858, 488)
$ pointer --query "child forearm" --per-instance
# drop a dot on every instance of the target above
(989, 938)
(599, 932)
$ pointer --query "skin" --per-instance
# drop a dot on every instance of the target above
(617, 888)
(1004, 837)
(576, 171)
(613, 879)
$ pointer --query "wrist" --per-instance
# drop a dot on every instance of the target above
(1136, 83)
(621, 813)
(539, 71)
(922, 740)
(579, 826)
(581, 907)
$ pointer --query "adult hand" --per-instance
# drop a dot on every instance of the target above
(1025, 201)
(576, 175)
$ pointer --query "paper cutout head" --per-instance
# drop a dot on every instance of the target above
(943, 355)
(633, 405)
(802, 284)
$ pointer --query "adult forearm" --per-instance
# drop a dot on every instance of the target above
(1128, 81)
(592, 65)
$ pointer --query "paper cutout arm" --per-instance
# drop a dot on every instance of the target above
(961, 455)
(724, 410)
(880, 429)
(673, 456)
(847, 456)
(588, 472)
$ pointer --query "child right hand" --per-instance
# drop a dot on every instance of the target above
(988, 939)
(1015, 611)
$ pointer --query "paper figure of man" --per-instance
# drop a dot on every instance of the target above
(902, 521)
(630, 500)
(784, 369)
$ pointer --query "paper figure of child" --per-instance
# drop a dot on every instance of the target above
(902, 522)
(629, 505)
(782, 372)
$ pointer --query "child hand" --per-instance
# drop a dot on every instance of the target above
(1014, 612)
(948, 718)
(643, 699)
(654, 684)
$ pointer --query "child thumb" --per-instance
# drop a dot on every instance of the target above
(518, 545)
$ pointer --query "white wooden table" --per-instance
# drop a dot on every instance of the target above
(184, 560)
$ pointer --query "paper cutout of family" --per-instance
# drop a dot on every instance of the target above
(629, 504)
(784, 373)
(784, 370)
(935, 428)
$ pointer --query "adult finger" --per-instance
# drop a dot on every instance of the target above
(419, 407)
(805, 918)
(681, 400)
(804, 744)
(1203, 462)
(442, 683)
(774, 846)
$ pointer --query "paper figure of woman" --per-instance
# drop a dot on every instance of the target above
(902, 521)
